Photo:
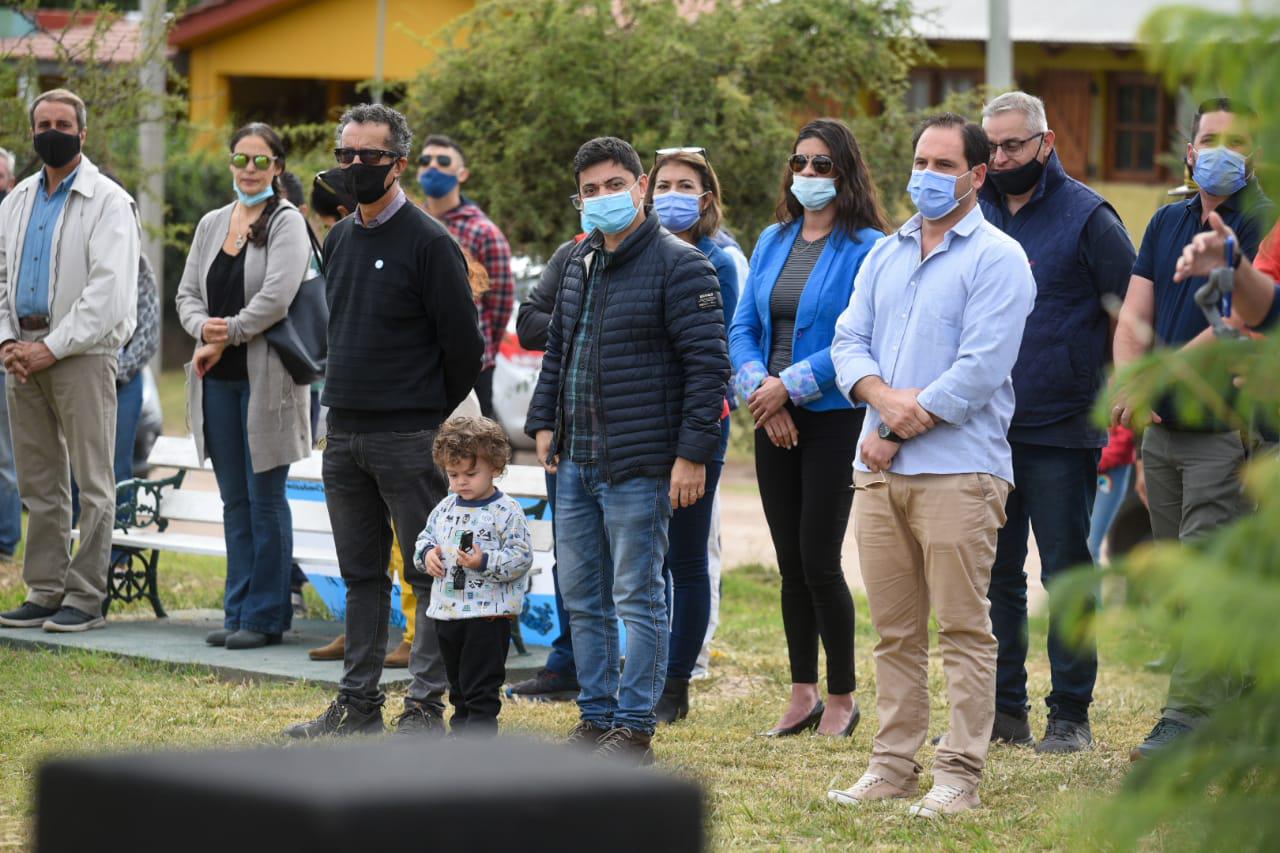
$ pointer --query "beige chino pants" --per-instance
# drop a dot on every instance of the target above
(929, 540)
(64, 418)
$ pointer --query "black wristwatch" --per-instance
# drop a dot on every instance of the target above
(888, 434)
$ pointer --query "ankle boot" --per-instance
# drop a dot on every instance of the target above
(674, 702)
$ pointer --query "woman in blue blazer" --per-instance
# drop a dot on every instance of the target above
(801, 278)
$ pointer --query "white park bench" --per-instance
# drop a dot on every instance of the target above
(149, 507)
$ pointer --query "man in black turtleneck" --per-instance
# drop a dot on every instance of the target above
(404, 351)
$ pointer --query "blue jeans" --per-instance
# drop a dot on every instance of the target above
(10, 501)
(128, 413)
(612, 539)
(255, 516)
(1113, 486)
(688, 583)
(1053, 494)
(560, 660)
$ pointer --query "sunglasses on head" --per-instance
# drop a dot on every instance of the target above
(368, 156)
(667, 152)
(822, 164)
(444, 161)
(260, 161)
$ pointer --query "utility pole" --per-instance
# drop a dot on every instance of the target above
(151, 148)
(379, 50)
(999, 47)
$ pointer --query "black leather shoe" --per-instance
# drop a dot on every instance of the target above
(674, 703)
(807, 724)
(246, 639)
(27, 616)
(1007, 728)
(847, 731)
(217, 638)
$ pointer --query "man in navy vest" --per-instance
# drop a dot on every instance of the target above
(1081, 256)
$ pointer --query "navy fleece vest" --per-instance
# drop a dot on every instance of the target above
(1064, 348)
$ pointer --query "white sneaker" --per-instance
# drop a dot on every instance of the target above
(868, 789)
(945, 800)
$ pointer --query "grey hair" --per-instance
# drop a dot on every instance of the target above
(9, 160)
(400, 137)
(1031, 107)
(61, 96)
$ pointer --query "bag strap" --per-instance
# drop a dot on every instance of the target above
(316, 248)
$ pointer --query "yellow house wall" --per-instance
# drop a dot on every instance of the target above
(317, 39)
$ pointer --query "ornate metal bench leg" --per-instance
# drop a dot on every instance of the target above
(153, 591)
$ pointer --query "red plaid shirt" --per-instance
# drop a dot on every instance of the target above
(486, 243)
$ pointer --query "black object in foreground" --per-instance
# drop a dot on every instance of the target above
(505, 794)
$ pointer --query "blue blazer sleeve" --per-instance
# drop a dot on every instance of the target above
(747, 329)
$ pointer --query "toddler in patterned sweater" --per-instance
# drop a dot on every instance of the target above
(476, 546)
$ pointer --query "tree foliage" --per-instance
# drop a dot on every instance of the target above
(522, 83)
(1217, 600)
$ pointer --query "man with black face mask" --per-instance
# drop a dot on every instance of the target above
(69, 241)
(404, 351)
(1081, 257)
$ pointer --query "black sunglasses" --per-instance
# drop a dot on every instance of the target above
(822, 164)
(368, 156)
(260, 161)
(444, 161)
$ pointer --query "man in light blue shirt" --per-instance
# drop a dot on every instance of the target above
(928, 343)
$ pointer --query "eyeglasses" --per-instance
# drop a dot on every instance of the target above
(368, 156)
(1011, 147)
(667, 152)
(261, 162)
(612, 187)
(444, 161)
(822, 164)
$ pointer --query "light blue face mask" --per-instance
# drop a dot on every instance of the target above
(934, 193)
(813, 193)
(256, 198)
(677, 211)
(1220, 171)
(610, 213)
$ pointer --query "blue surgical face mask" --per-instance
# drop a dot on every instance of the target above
(934, 193)
(813, 193)
(437, 184)
(678, 212)
(610, 213)
(256, 198)
(1220, 171)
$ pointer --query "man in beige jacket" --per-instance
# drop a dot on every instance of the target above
(68, 295)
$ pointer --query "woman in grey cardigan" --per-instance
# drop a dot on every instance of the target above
(246, 413)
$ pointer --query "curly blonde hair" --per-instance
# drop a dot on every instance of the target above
(462, 439)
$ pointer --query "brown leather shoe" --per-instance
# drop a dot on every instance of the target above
(399, 658)
(336, 650)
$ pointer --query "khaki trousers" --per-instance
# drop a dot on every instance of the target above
(64, 418)
(924, 540)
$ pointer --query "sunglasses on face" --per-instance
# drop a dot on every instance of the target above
(444, 161)
(261, 162)
(822, 164)
(368, 156)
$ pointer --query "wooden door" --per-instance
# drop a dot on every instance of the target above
(1068, 103)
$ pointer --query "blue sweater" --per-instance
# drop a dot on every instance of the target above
(811, 378)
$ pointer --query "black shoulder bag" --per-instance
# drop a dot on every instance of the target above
(301, 339)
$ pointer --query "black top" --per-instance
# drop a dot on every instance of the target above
(404, 342)
(225, 286)
(785, 299)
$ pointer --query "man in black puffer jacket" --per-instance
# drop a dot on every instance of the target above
(626, 414)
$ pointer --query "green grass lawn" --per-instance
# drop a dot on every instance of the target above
(761, 793)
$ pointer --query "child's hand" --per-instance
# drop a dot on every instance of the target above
(471, 559)
(435, 562)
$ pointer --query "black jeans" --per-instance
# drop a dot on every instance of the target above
(371, 481)
(1054, 497)
(807, 493)
(475, 656)
(484, 391)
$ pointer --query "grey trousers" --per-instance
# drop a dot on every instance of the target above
(1193, 488)
(64, 417)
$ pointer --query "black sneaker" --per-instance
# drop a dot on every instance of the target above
(1007, 729)
(586, 736)
(1062, 736)
(338, 720)
(69, 620)
(416, 721)
(1166, 731)
(27, 616)
(625, 745)
(546, 686)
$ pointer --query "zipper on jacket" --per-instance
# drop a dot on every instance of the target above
(604, 423)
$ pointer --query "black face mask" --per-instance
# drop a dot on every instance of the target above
(56, 148)
(367, 183)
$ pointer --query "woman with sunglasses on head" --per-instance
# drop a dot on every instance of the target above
(246, 263)
(685, 194)
(801, 279)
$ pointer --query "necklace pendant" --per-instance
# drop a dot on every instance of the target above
(240, 242)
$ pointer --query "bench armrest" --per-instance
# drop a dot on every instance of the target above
(138, 502)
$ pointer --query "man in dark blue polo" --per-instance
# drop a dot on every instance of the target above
(1192, 468)
(1081, 256)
